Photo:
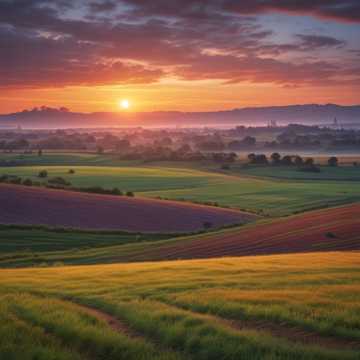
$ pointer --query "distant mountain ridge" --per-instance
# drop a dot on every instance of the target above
(309, 114)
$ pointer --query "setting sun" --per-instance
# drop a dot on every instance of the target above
(124, 104)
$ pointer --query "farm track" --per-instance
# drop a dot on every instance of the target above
(278, 330)
(113, 322)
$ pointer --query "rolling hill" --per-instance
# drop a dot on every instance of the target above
(59, 208)
(310, 114)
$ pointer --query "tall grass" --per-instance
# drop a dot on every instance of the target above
(180, 309)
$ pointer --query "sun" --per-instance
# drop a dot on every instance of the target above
(124, 104)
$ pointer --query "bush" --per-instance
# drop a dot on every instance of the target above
(71, 171)
(333, 161)
(312, 168)
(15, 180)
(130, 193)
(43, 174)
(27, 182)
(59, 181)
(116, 191)
(330, 235)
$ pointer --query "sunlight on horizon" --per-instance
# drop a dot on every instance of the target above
(124, 104)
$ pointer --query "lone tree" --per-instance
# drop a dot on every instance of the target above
(275, 158)
(43, 174)
(333, 161)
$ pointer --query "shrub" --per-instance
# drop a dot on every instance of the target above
(116, 191)
(59, 181)
(71, 171)
(130, 193)
(330, 235)
(15, 180)
(27, 182)
(311, 168)
(43, 174)
(333, 161)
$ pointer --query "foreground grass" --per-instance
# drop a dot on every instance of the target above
(266, 196)
(177, 309)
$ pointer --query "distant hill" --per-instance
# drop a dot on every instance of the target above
(310, 114)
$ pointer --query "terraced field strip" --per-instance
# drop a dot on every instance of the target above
(321, 230)
(60, 208)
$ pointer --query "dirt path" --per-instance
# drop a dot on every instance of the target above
(295, 334)
(283, 331)
(114, 323)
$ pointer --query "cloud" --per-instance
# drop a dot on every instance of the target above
(102, 6)
(311, 42)
(61, 42)
(33, 61)
(339, 10)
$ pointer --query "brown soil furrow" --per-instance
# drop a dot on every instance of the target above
(330, 229)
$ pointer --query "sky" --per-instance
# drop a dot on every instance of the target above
(185, 55)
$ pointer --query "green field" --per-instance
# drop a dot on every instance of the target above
(27, 246)
(340, 173)
(61, 158)
(274, 197)
(269, 307)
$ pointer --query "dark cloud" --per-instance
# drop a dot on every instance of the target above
(340, 10)
(310, 42)
(102, 6)
(63, 42)
(33, 61)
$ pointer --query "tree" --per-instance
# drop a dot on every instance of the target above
(43, 174)
(27, 182)
(287, 160)
(40, 152)
(248, 141)
(333, 161)
(309, 162)
(298, 161)
(251, 157)
(275, 158)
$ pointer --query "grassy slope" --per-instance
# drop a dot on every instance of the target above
(163, 303)
(301, 233)
(15, 238)
(269, 196)
(340, 173)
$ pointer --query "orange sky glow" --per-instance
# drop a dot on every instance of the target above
(185, 56)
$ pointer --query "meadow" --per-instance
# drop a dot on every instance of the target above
(303, 306)
(339, 173)
(259, 194)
